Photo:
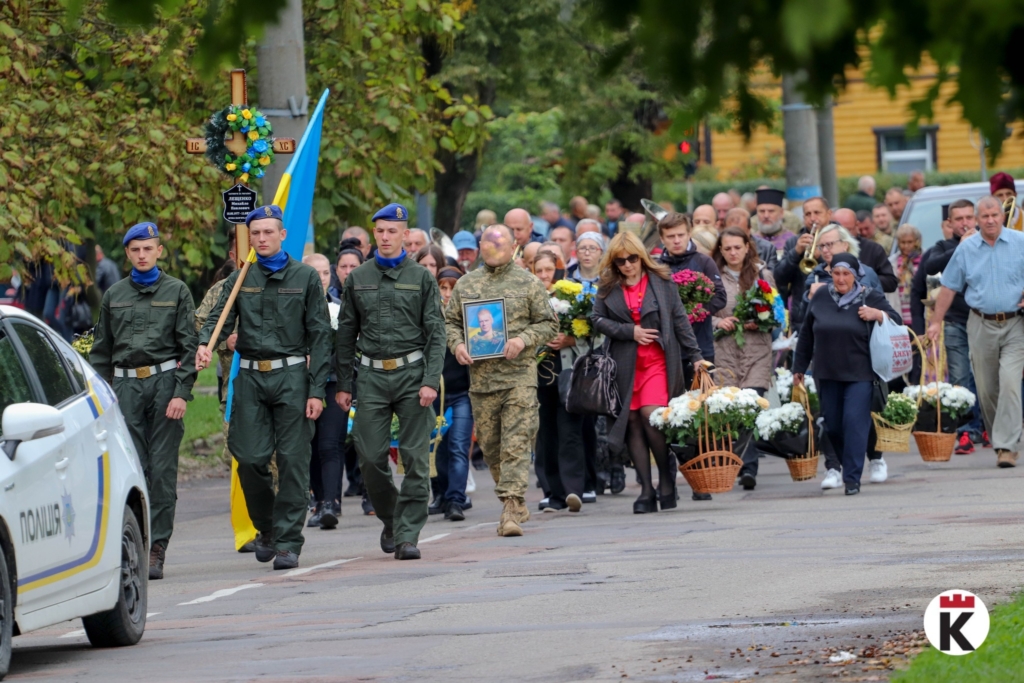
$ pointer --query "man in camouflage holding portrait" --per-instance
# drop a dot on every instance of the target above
(503, 391)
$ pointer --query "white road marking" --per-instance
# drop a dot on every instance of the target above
(332, 563)
(152, 614)
(477, 526)
(74, 634)
(433, 538)
(224, 592)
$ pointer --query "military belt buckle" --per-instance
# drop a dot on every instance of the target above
(389, 363)
(1000, 317)
(142, 373)
(263, 366)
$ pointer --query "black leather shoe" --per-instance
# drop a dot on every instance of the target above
(249, 547)
(407, 551)
(264, 548)
(667, 501)
(748, 481)
(468, 505)
(645, 504)
(437, 507)
(701, 496)
(286, 559)
(330, 514)
(314, 519)
(454, 512)
(387, 540)
(852, 489)
(618, 477)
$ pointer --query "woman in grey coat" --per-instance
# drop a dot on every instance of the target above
(638, 308)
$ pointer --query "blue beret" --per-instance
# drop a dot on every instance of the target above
(392, 212)
(464, 240)
(141, 231)
(268, 211)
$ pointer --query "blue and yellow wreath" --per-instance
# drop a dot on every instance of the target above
(259, 152)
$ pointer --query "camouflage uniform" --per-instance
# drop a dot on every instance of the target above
(503, 392)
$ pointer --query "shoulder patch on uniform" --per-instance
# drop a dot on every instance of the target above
(362, 287)
(169, 304)
(121, 304)
(290, 290)
(399, 285)
(254, 290)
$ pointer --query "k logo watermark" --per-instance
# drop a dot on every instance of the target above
(956, 622)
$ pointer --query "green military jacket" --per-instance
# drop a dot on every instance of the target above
(224, 355)
(389, 313)
(142, 326)
(278, 315)
(528, 315)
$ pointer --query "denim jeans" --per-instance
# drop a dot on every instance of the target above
(327, 453)
(959, 361)
(846, 407)
(452, 456)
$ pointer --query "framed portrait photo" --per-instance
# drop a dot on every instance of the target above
(485, 329)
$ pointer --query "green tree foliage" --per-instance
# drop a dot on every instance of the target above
(708, 50)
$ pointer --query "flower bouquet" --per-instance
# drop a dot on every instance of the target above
(761, 305)
(784, 431)
(784, 385)
(83, 343)
(956, 403)
(894, 423)
(695, 289)
(574, 304)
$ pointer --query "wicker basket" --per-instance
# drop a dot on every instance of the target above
(935, 447)
(712, 472)
(892, 438)
(803, 468)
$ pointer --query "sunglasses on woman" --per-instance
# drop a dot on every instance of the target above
(621, 261)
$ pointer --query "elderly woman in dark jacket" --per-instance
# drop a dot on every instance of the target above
(836, 335)
(639, 310)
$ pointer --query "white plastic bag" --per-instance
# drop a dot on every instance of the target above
(891, 352)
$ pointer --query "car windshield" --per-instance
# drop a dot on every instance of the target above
(926, 216)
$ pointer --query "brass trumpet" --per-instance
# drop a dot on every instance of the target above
(1009, 206)
(808, 263)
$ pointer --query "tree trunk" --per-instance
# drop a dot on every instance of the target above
(627, 190)
(451, 188)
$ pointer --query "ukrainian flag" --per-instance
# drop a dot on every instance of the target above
(295, 197)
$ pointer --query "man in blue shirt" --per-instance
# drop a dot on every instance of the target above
(989, 266)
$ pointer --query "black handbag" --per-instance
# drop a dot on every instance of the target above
(592, 387)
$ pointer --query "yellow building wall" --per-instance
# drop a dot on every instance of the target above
(860, 109)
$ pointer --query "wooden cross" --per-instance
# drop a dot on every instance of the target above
(237, 146)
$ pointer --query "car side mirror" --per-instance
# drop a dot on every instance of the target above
(27, 422)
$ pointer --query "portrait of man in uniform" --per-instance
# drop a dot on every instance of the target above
(485, 322)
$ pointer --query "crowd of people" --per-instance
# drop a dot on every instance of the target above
(403, 354)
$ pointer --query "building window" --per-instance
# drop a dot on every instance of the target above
(899, 152)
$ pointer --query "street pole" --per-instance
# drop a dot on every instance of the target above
(800, 131)
(281, 61)
(827, 152)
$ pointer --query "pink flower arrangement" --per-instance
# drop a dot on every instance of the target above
(695, 290)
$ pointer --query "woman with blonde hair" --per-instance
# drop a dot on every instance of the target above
(638, 308)
(706, 240)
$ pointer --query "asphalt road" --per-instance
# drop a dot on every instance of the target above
(749, 586)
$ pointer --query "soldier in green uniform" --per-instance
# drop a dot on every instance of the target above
(392, 305)
(145, 346)
(503, 391)
(282, 319)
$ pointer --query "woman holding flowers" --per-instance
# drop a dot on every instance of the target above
(638, 308)
(559, 451)
(747, 365)
(835, 336)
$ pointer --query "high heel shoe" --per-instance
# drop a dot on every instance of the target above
(645, 504)
(667, 500)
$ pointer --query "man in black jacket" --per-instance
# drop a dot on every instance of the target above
(964, 224)
(681, 254)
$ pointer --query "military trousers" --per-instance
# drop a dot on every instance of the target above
(381, 394)
(506, 429)
(143, 403)
(268, 414)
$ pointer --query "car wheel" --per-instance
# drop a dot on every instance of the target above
(124, 624)
(6, 616)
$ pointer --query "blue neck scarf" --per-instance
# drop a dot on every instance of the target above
(389, 262)
(273, 263)
(147, 278)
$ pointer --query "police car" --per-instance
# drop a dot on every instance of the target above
(74, 517)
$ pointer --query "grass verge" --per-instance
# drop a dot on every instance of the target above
(203, 419)
(999, 659)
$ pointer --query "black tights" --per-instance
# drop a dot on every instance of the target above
(643, 439)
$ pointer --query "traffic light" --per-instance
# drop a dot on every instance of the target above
(689, 147)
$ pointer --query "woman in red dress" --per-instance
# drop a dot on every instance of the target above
(638, 308)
